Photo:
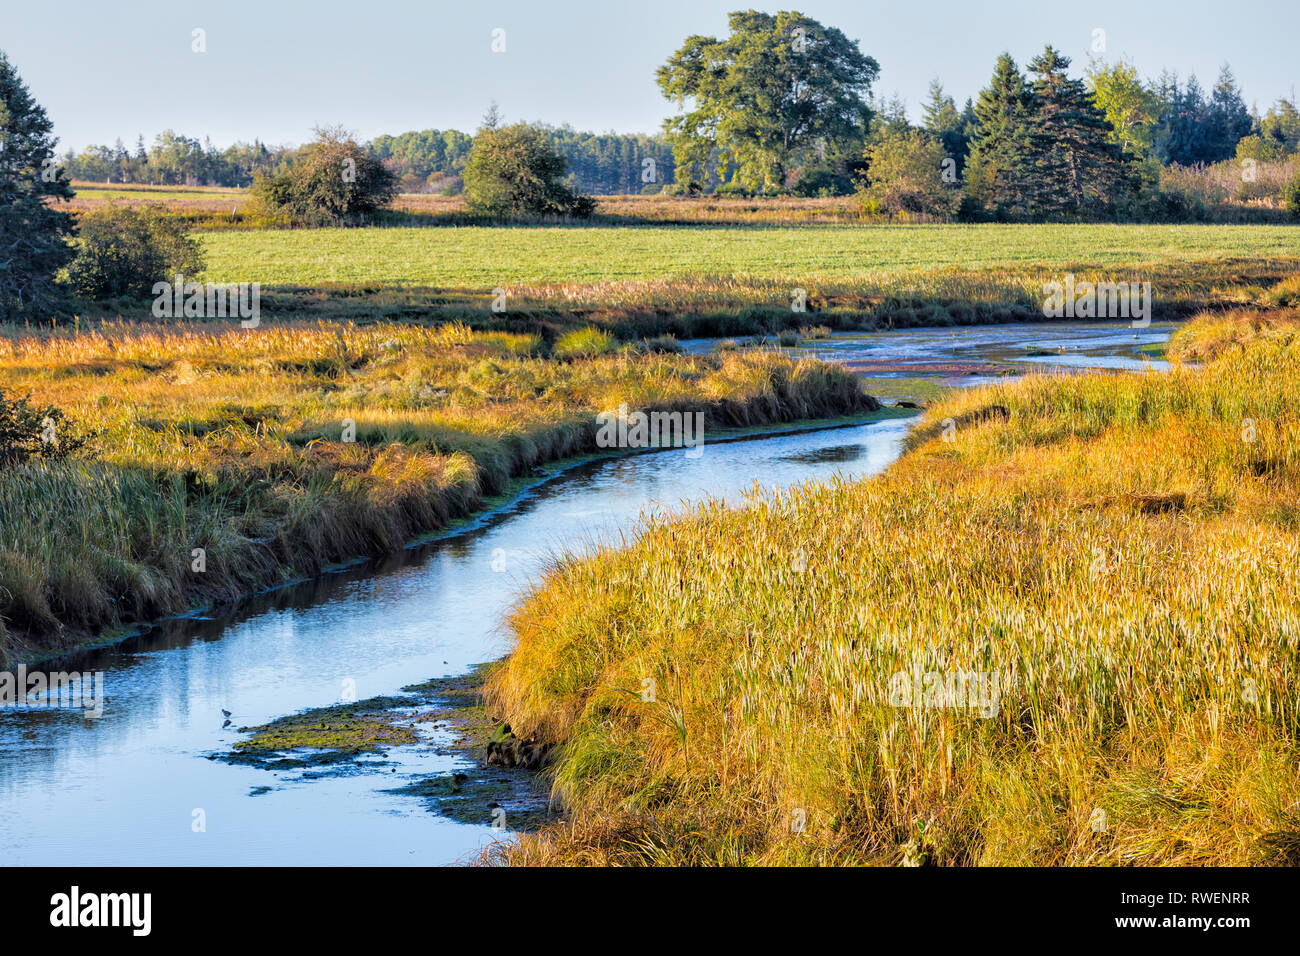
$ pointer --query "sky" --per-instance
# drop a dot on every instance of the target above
(274, 69)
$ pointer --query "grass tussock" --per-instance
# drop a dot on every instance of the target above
(1118, 552)
(278, 451)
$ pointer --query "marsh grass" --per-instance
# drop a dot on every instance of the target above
(1121, 549)
(236, 442)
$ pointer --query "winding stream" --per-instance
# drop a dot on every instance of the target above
(123, 789)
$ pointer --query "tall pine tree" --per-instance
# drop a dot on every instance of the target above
(33, 233)
(1072, 168)
(939, 118)
(1001, 140)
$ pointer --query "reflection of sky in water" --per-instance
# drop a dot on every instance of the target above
(122, 789)
(1075, 345)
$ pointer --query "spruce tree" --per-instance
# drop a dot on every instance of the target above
(33, 232)
(939, 118)
(999, 143)
(1228, 120)
(1072, 168)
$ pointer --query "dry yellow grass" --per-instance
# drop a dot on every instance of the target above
(1120, 552)
(238, 442)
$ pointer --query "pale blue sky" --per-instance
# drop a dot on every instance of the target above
(276, 68)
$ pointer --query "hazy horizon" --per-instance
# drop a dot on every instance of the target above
(394, 65)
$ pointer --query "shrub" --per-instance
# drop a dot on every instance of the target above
(583, 343)
(123, 251)
(516, 171)
(661, 343)
(906, 176)
(333, 181)
(27, 432)
(1291, 196)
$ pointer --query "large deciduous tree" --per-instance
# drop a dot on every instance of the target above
(779, 91)
(33, 231)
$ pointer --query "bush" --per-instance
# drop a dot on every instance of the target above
(27, 432)
(1291, 196)
(333, 181)
(516, 171)
(123, 251)
(583, 343)
(905, 176)
(822, 180)
(666, 344)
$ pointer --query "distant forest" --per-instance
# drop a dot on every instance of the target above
(428, 160)
(1172, 123)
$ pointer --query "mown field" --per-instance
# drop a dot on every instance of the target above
(481, 258)
(281, 450)
(1115, 557)
(735, 280)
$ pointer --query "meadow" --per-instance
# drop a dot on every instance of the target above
(698, 266)
(279, 451)
(1109, 559)
(741, 280)
(577, 256)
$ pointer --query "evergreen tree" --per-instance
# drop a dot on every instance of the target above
(33, 232)
(1227, 119)
(1181, 134)
(1000, 142)
(1072, 166)
(939, 118)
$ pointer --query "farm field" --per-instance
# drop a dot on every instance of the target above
(693, 281)
(482, 258)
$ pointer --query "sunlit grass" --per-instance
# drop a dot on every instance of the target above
(1123, 551)
(282, 449)
(484, 257)
(719, 280)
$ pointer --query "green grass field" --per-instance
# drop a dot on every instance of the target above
(483, 258)
(692, 281)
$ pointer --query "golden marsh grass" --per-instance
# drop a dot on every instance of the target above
(237, 442)
(1120, 550)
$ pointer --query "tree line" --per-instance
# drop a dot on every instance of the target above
(784, 105)
(428, 160)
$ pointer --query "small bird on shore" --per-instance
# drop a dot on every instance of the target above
(224, 712)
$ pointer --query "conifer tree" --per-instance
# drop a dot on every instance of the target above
(940, 118)
(1000, 143)
(33, 232)
(1072, 167)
